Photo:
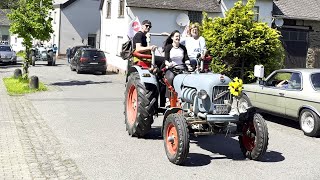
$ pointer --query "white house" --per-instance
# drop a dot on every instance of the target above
(117, 14)
(75, 22)
(262, 8)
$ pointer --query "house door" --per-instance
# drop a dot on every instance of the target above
(295, 42)
(92, 40)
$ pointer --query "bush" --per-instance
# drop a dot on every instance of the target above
(237, 43)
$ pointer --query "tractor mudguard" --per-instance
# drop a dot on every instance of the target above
(145, 76)
(167, 113)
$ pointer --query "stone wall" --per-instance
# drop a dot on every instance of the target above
(313, 55)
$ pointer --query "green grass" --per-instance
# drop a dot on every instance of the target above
(21, 86)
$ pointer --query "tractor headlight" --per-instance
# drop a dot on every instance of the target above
(202, 94)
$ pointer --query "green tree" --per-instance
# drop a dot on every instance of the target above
(31, 21)
(237, 42)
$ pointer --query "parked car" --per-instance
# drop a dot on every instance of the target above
(297, 98)
(7, 55)
(75, 48)
(89, 59)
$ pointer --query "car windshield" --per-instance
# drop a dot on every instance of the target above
(5, 48)
(315, 80)
(93, 54)
(74, 50)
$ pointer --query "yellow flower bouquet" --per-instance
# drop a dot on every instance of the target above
(235, 87)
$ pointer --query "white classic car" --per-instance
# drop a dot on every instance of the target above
(290, 93)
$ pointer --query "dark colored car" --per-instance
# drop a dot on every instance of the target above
(75, 48)
(89, 60)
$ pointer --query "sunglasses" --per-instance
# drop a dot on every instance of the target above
(148, 26)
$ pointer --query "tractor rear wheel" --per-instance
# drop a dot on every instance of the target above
(139, 106)
(254, 138)
(176, 138)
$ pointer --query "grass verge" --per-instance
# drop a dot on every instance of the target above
(21, 86)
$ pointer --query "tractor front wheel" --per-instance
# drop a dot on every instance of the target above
(139, 106)
(176, 138)
(254, 138)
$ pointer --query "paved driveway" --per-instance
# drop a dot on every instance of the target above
(85, 112)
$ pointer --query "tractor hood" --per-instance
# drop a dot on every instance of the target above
(205, 81)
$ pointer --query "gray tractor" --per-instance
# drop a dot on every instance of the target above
(200, 104)
(41, 53)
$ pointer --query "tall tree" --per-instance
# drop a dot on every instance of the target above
(238, 43)
(31, 21)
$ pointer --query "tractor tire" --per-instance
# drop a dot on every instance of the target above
(139, 106)
(254, 139)
(176, 138)
(33, 60)
(309, 123)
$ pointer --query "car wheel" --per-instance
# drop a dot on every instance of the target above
(78, 70)
(72, 69)
(103, 72)
(309, 123)
(244, 104)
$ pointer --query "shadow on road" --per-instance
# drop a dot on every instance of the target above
(223, 148)
(282, 121)
(154, 133)
(78, 83)
(7, 66)
(220, 146)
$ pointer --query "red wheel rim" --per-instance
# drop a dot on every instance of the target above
(247, 139)
(172, 139)
(132, 104)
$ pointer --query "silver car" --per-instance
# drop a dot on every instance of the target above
(290, 93)
(7, 55)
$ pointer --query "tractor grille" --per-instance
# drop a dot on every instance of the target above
(220, 93)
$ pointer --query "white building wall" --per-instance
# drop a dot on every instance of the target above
(55, 36)
(16, 43)
(76, 21)
(265, 9)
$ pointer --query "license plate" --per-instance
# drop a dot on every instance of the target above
(94, 63)
(221, 109)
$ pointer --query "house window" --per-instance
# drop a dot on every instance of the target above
(121, 8)
(54, 17)
(108, 44)
(256, 13)
(195, 16)
(108, 13)
(119, 45)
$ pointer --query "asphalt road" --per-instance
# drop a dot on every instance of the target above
(85, 111)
